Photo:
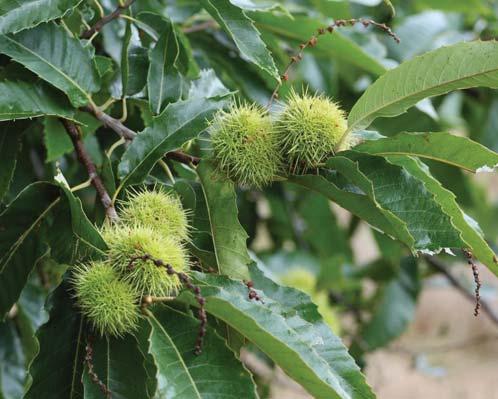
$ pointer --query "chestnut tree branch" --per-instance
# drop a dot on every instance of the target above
(117, 126)
(75, 135)
(106, 19)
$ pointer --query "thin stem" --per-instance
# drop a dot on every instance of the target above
(75, 135)
(81, 186)
(124, 114)
(107, 104)
(167, 170)
(121, 141)
(129, 18)
(100, 8)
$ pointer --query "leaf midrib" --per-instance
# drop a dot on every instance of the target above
(182, 362)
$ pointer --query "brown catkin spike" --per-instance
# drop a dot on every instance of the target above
(185, 280)
(313, 40)
(91, 371)
(475, 272)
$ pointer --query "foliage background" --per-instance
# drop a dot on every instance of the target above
(365, 276)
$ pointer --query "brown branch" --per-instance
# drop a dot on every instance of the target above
(117, 126)
(111, 123)
(75, 135)
(181, 157)
(436, 264)
(106, 19)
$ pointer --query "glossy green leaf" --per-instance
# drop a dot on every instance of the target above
(52, 54)
(155, 25)
(335, 353)
(394, 189)
(21, 100)
(442, 147)
(215, 373)
(119, 364)
(10, 141)
(460, 66)
(57, 369)
(358, 203)
(177, 124)
(469, 230)
(241, 29)
(81, 225)
(299, 29)
(18, 15)
(164, 82)
(297, 341)
(19, 250)
(201, 242)
(229, 237)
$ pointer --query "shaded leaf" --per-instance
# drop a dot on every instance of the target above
(19, 15)
(119, 364)
(394, 310)
(164, 82)
(155, 25)
(57, 369)
(459, 66)
(442, 147)
(214, 373)
(56, 139)
(19, 250)
(241, 29)
(10, 141)
(229, 237)
(81, 225)
(20, 100)
(61, 60)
